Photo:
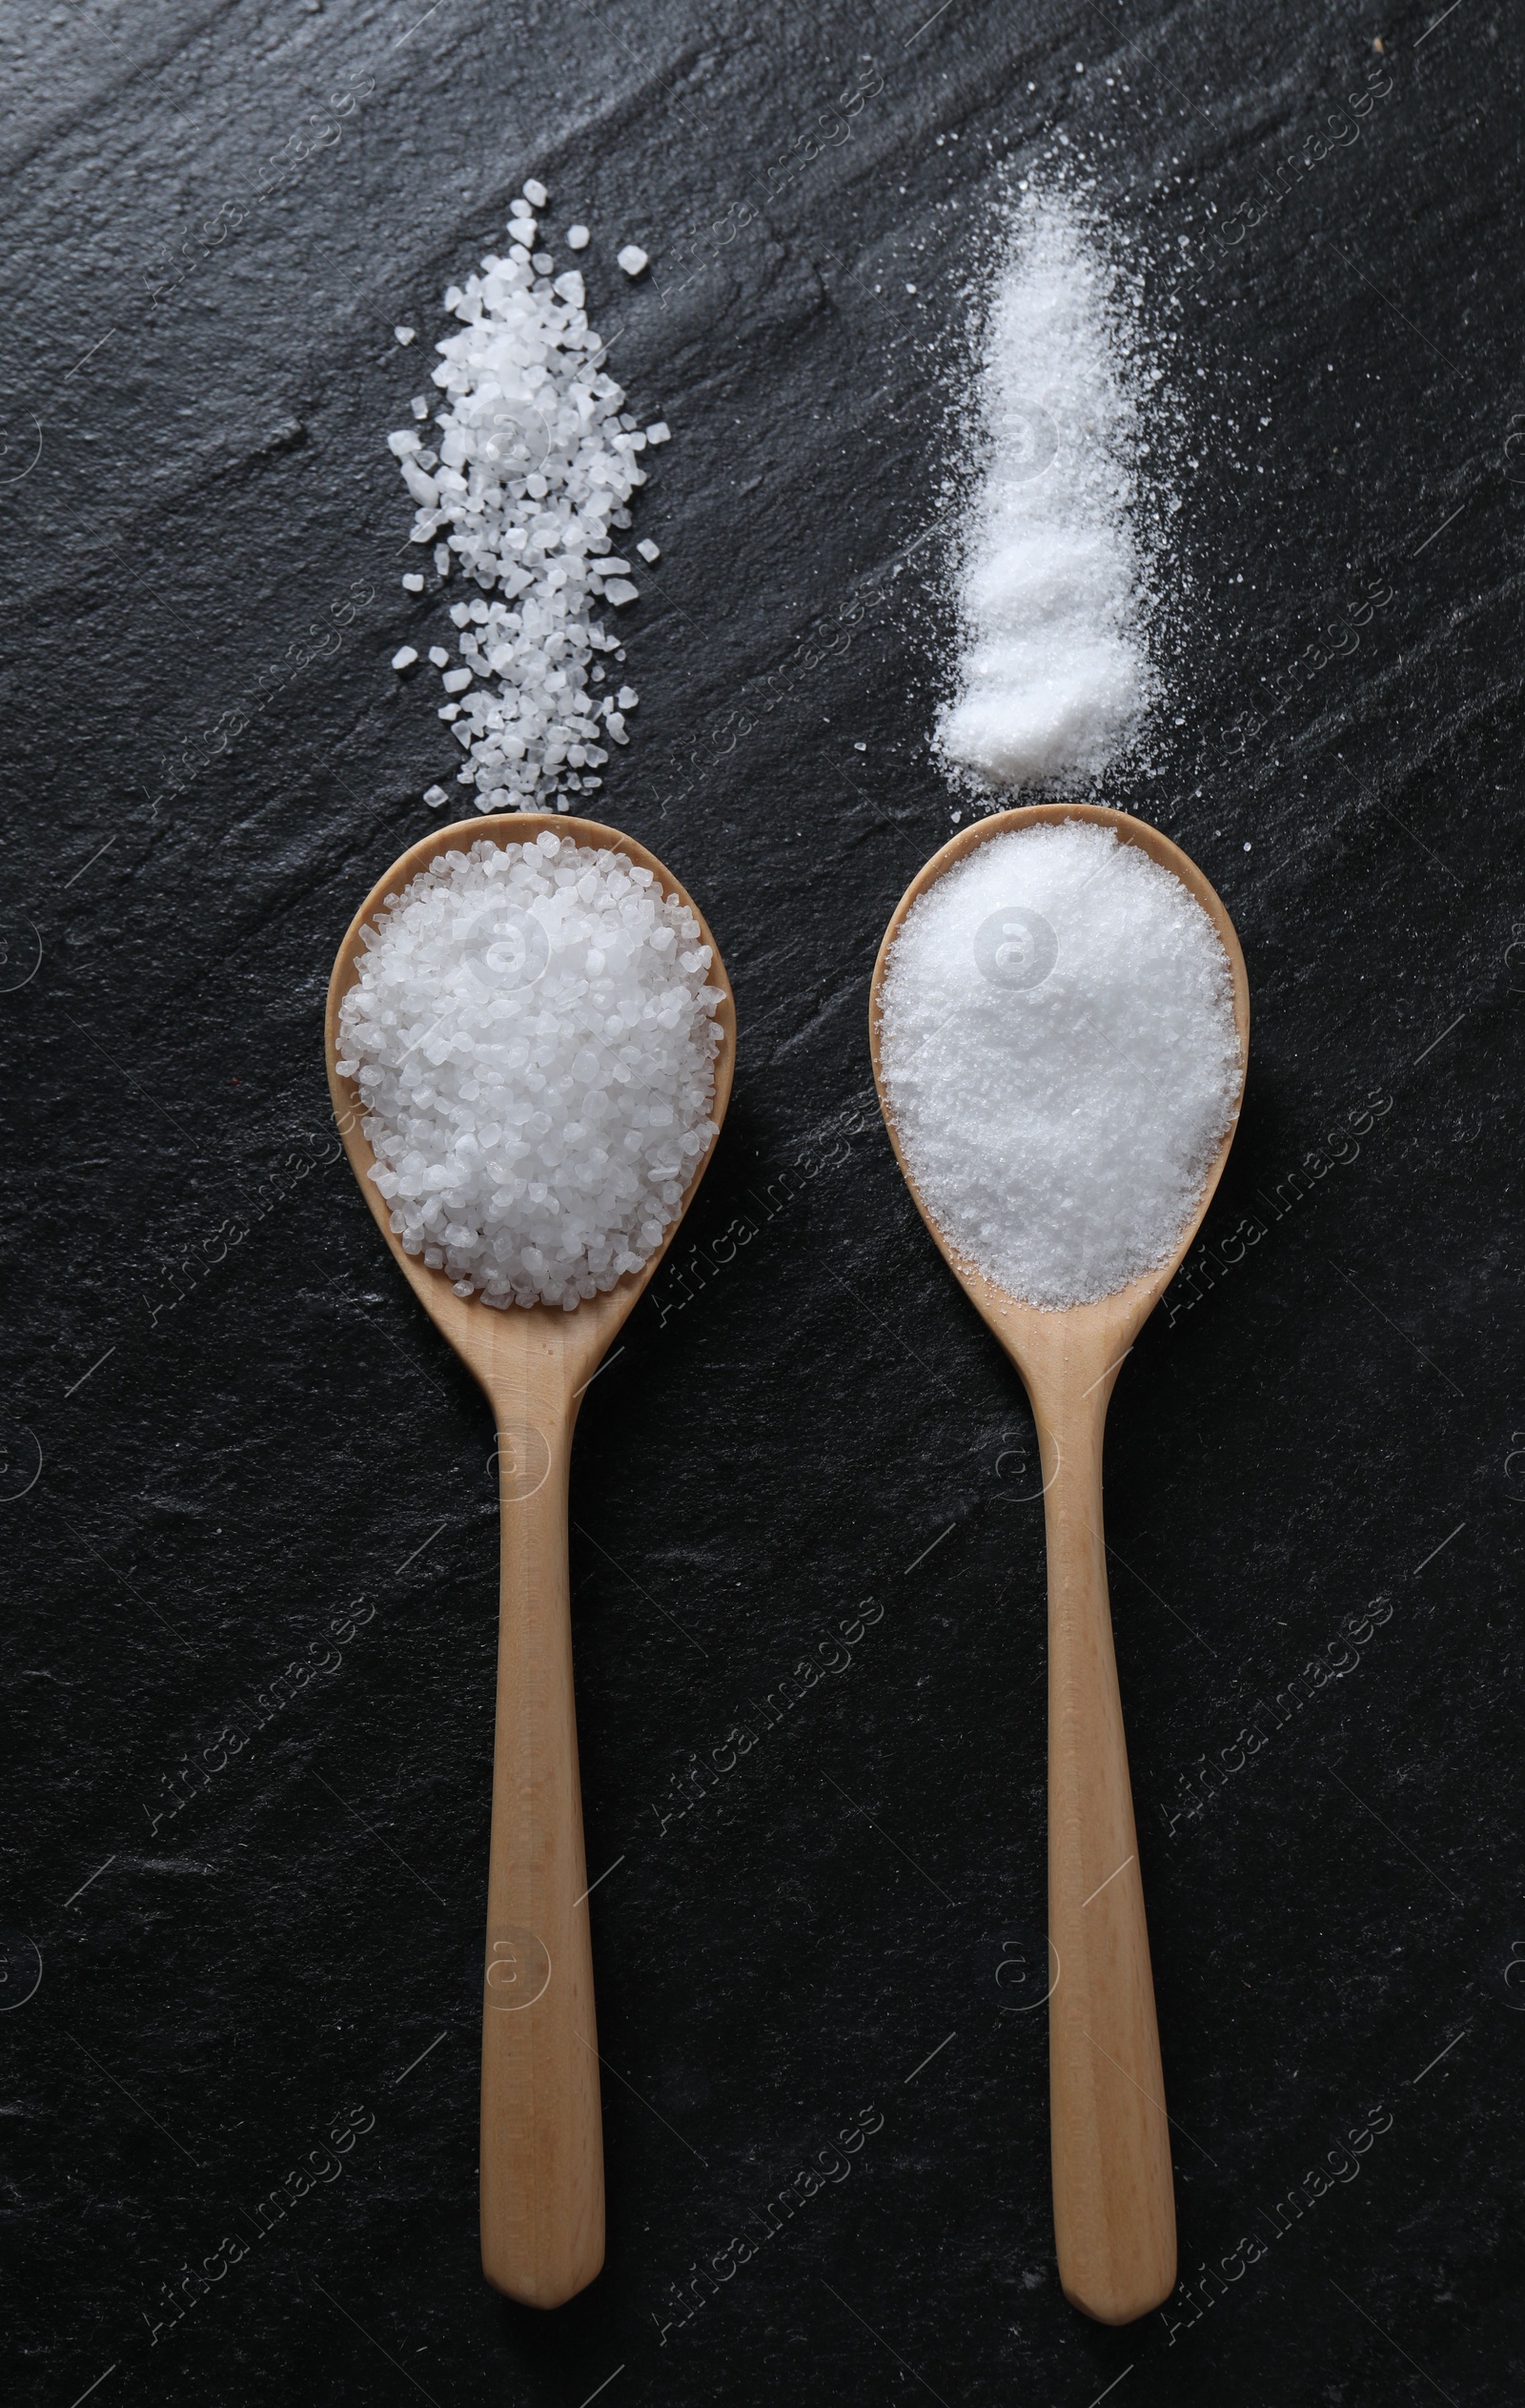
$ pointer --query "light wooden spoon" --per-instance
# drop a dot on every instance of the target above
(542, 2127)
(1114, 2206)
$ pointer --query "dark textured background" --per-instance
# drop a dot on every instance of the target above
(243, 1423)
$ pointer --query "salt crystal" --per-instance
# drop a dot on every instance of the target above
(1060, 1058)
(438, 656)
(632, 258)
(413, 583)
(1053, 672)
(405, 658)
(405, 335)
(534, 1036)
(534, 467)
(647, 549)
(535, 194)
(661, 432)
(578, 237)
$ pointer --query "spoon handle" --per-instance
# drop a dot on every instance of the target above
(541, 2128)
(1114, 2206)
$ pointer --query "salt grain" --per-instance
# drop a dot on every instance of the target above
(578, 237)
(632, 258)
(1053, 672)
(1060, 1058)
(534, 1037)
(528, 467)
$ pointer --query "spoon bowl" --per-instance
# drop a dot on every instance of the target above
(1115, 2206)
(541, 2128)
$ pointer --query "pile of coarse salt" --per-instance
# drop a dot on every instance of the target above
(535, 460)
(1053, 670)
(534, 1038)
(1060, 1058)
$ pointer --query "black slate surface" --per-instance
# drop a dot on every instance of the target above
(234, 1444)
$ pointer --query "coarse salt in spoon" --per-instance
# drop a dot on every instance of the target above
(1059, 1047)
(528, 955)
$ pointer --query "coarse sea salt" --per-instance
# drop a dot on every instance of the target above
(532, 1032)
(1060, 1058)
(530, 462)
(1054, 575)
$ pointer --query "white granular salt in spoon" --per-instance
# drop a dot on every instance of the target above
(1053, 671)
(534, 1036)
(1060, 1057)
(533, 459)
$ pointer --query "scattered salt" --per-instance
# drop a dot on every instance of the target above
(647, 549)
(1054, 673)
(413, 584)
(661, 432)
(405, 658)
(405, 335)
(578, 237)
(535, 193)
(632, 258)
(534, 1038)
(1060, 1057)
(530, 466)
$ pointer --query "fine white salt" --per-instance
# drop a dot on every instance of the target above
(531, 463)
(534, 1037)
(1060, 1058)
(1053, 672)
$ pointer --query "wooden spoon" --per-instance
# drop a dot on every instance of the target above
(1115, 2206)
(542, 2127)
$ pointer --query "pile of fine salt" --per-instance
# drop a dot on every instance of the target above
(535, 462)
(1060, 1057)
(1053, 670)
(533, 1040)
